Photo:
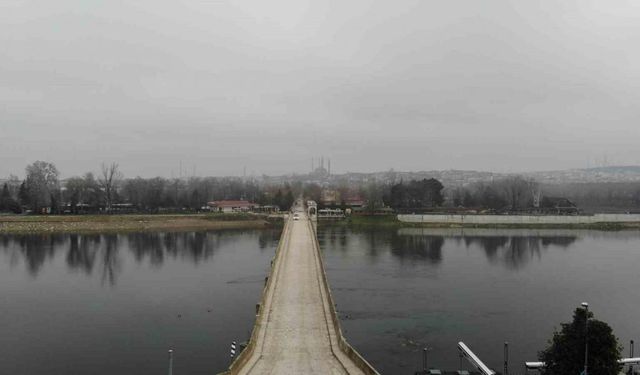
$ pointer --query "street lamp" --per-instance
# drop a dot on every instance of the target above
(425, 365)
(586, 335)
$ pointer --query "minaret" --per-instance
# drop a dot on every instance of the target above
(329, 173)
(322, 162)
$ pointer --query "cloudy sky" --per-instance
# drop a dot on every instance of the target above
(410, 84)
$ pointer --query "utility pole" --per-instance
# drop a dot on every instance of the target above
(631, 356)
(425, 363)
(586, 336)
(506, 358)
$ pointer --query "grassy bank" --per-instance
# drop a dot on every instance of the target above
(393, 222)
(130, 223)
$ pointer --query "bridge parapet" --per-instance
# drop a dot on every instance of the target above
(297, 329)
(343, 345)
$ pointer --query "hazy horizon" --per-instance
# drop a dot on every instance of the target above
(501, 86)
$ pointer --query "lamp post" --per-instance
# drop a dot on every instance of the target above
(425, 364)
(586, 335)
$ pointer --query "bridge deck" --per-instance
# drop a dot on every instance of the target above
(296, 333)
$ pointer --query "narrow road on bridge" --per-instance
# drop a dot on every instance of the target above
(297, 335)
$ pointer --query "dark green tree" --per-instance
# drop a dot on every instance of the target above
(416, 194)
(288, 200)
(7, 203)
(23, 194)
(565, 354)
(278, 200)
(5, 193)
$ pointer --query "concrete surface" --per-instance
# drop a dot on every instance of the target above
(296, 333)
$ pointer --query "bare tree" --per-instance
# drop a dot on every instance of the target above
(43, 187)
(515, 189)
(109, 180)
(536, 192)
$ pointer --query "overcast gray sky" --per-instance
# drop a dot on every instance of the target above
(409, 84)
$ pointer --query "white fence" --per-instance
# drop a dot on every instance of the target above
(520, 219)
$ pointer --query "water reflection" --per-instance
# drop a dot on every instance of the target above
(82, 252)
(102, 252)
(399, 290)
(427, 248)
(516, 251)
(513, 249)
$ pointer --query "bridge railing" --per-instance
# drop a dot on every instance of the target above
(246, 354)
(343, 345)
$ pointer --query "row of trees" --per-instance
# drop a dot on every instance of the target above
(415, 194)
(517, 193)
(282, 197)
(513, 193)
(43, 191)
(600, 195)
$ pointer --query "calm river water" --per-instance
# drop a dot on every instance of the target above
(114, 304)
(399, 290)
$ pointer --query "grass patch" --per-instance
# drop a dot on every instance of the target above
(129, 223)
(236, 216)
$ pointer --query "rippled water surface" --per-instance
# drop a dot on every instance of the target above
(399, 290)
(114, 304)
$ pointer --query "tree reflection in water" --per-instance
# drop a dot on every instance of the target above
(110, 261)
(428, 248)
(516, 251)
(414, 245)
(83, 251)
(37, 249)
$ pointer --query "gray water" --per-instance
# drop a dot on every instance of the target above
(114, 304)
(399, 291)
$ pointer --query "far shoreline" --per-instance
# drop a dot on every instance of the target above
(87, 224)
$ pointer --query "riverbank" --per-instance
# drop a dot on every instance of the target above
(18, 224)
(391, 221)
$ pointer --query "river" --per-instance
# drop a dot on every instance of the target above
(400, 290)
(115, 303)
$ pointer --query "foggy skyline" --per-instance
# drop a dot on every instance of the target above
(501, 86)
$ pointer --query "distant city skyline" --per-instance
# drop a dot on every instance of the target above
(184, 170)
